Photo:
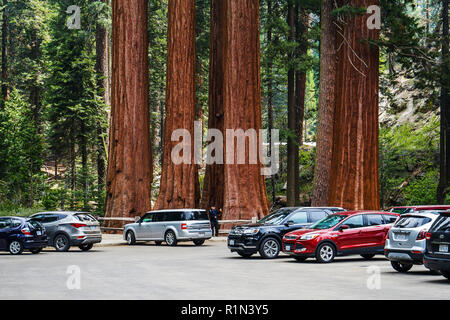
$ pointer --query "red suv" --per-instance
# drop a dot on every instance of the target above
(343, 233)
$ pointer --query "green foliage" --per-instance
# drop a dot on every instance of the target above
(422, 190)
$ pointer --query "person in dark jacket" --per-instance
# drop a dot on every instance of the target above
(214, 216)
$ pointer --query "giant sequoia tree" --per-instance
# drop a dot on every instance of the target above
(245, 191)
(179, 181)
(130, 163)
(354, 180)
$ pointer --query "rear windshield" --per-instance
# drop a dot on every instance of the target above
(34, 224)
(442, 223)
(195, 215)
(411, 222)
(85, 217)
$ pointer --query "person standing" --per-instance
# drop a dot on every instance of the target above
(214, 216)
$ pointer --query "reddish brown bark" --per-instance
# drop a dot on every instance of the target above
(179, 182)
(213, 186)
(130, 163)
(355, 174)
(245, 191)
(322, 169)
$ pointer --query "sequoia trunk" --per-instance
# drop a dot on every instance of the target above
(130, 163)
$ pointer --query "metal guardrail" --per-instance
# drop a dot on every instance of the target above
(136, 218)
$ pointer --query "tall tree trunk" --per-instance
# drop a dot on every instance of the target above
(179, 182)
(35, 90)
(214, 182)
(5, 88)
(322, 169)
(355, 162)
(292, 144)
(102, 69)
(129, 175)
(245, 191)
(444, 178)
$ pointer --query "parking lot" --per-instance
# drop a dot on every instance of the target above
(147, 271)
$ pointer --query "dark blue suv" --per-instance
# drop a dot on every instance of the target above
(18, 234)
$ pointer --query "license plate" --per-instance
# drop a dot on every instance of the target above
(231, 242)
(39, 233)
(93, 227)
(288, 248)
(443, 248)
(201, 233)
(401, 236)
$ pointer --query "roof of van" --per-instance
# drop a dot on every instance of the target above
(176, 210)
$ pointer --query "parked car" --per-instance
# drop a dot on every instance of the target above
(410, 209)
(406, 241)
(66, 229)
(437, 254)
(266, 235)
(171, 226)
(18, 234)
(344, 233)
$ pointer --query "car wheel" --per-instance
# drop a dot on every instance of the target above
(36, 251)
(401, 267)
(446, 273)
(86, 247)
(367, 256)
(244, 254)
(62, 243)
(131, 239)
(300, 259)
(270, 248)
(170, 238)
(325, 253)
(158, 243)
(15, 247)
(199, 242)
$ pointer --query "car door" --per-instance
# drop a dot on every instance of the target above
(144, 227)
(374, 231)
(160, 220)
(4, 232)
(350, 239)
(50, 223)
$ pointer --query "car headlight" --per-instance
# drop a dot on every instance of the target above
(251, 231)
(309, 236)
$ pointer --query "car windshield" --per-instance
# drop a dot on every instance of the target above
(328, 222)
(277, 217)
(411, 222)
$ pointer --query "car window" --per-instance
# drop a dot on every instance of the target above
(317, 215)
(34, 224)
(49, 218)
(411, 222)
(195, 215)
(5, 223)
(389, 218)
(328, 222)
(442, 224)
(84, 217)
(15, 223)
(158, 216)
(299, 217)
(147, 218)
(354, 222)
(374, 219)
(37, 217)
(173, 216)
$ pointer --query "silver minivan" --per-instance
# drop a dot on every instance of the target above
(170, 226)
(406, 240)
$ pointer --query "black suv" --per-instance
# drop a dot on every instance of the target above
(266, 235)
(437, 254)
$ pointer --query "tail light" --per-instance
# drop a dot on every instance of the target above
(183, 226)
(422, 235)
(428, 236)
(26, 231)
(78, 225)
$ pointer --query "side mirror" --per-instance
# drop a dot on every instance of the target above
(137, 219)
(289, 223)
(343, 227)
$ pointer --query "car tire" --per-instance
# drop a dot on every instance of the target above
(158, 243)
(401, 267)
(15, 247)
(131, 239)
(199, 242)
(367, 256)
(170, 238)
(244, 254)
(446, 274)
(86, 247)
(325, 253)
(269, 248)
(300, 259)
(62, 243)
(36, 251)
